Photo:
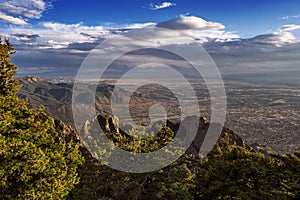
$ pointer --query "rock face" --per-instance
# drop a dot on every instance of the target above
(110, 124)
(267, 151)
(202, 131)
(65, 131)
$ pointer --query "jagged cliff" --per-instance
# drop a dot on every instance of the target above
(110, 124)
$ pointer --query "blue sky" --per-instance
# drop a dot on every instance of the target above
(67, 29)
(247, 17)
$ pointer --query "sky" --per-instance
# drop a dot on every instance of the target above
(247, 17)
(54, 36)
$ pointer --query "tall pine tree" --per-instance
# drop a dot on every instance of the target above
(35, 163)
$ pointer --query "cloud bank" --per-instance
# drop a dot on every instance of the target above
(277, 39)
(41, 49)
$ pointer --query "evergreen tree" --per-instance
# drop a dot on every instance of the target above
(172, 182)
(35, 162)
(232, 172)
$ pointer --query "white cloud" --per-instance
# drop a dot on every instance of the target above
(12, 20)
(76, 28)
(162, 5)
(59, 35)
(192, 23)
(290, 27)
(290, 17)
(278, 39)
(214, 36)
(79, 36)
(199, 29)
(139, 25)
(13, 11)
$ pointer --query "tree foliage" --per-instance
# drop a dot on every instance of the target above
(228, 172)
(232, 172)
(173, 182)
(34, 162)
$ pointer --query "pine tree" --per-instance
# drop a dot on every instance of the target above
(8, 86)
(35, 162)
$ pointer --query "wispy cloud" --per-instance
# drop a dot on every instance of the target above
(290, 17)
(44, 36)
(11, 19)
(26, 38)
(162, 5)
(290, 27)
(16, 11)
(139, 25)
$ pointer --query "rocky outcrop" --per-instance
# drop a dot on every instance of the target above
(264, 149)
(235, 139)
(110, 124)
(65, 131)
(202, 131)
(187, 127)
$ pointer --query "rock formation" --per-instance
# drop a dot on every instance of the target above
(110, 124)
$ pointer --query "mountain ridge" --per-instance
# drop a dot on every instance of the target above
(57, 99)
